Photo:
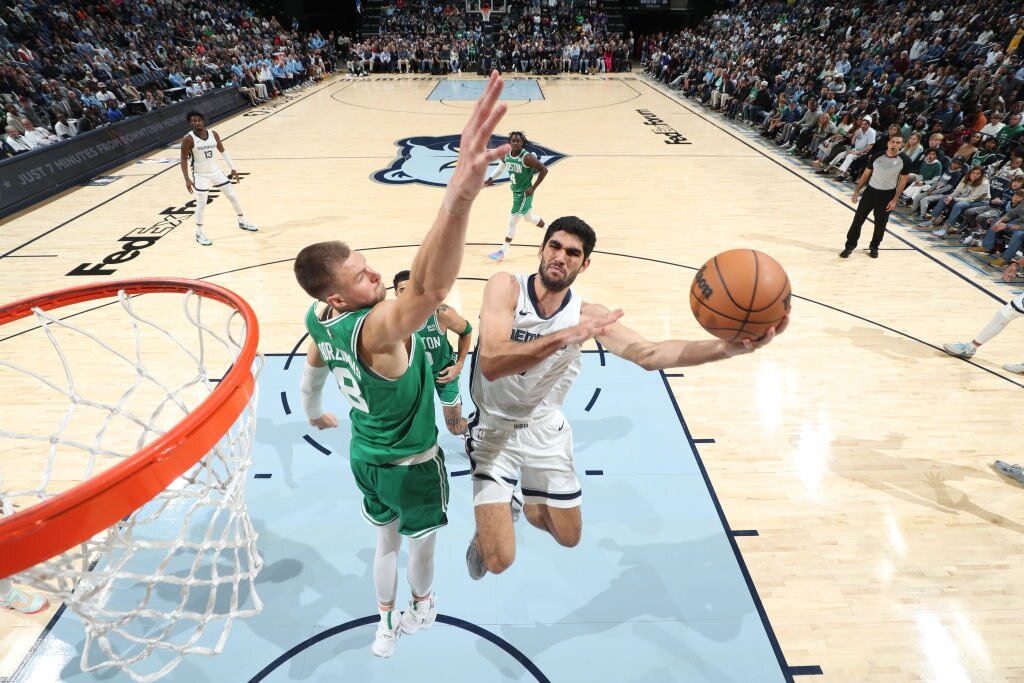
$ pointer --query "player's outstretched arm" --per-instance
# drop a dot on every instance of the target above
(500, 356)
(439, 257)
(314, 376)
(451, 320)
(673, 353)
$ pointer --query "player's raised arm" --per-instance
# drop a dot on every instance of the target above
(500, 356)
(439, 258)
(672, 353)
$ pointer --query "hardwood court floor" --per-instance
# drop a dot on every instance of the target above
(887, 548)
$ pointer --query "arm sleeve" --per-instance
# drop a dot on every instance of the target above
(312, 385)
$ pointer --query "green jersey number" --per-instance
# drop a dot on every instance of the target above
(349, 387)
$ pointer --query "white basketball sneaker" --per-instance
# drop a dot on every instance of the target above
(201, 239)
(246, 225)
(388, 630)
(20, 601)
(420, 614)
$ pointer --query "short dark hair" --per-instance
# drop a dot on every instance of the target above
(400, 277)
(519, 133)
(573, 226)
(188, 116)
(315, 266)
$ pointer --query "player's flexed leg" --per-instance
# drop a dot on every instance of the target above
(522, 167)
(203, 174)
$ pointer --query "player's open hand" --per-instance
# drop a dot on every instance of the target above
(474, 157)
(325, 421)
(592, 324)
(188, 186)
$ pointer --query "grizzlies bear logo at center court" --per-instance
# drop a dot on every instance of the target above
(431, 160)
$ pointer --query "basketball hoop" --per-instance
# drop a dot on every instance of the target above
(161, 447)
(485, 10)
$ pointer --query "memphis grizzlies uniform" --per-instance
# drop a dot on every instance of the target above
(521, 177)
(206, 172)
(518, 427)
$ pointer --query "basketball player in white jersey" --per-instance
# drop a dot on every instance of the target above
(531, 328)
(202, 172)
(1006, 314)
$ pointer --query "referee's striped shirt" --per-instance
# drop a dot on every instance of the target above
(886, 171)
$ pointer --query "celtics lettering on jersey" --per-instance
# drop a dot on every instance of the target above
(391, 418)
(519, 173)
(435, 340)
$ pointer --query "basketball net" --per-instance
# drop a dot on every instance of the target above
(485, 10)
(169, 578)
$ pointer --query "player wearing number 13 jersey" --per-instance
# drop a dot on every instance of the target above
(370, 344)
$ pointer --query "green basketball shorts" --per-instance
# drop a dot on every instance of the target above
(416, 495)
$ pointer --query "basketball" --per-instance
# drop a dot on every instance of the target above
(740, 294)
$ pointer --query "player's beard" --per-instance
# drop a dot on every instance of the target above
(556, 284)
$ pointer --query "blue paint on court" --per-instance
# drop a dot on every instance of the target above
(654, 592)
(515, 89)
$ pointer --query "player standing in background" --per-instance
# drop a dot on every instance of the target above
(446, 363)
(522, 166)
(371, 347)
(202, 172)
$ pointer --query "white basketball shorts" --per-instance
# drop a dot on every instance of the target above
(538, 451)
(205, 181)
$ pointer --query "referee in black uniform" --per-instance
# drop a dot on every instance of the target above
(885, 177)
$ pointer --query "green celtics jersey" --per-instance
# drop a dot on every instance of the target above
(391, 418)
(519, 173)
(439, 350)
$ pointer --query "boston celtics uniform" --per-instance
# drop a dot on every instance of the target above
(521, 176)
(441, 355)
(393, 452)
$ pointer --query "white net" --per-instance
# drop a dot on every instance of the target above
(168, 580)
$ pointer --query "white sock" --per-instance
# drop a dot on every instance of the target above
(510, 233)
(998, 322)
(229, 192)
(201, 198)
(385, 563)
(421, 564)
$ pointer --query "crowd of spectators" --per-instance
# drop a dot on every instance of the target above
(556, 36)
(832, 83)
(70, 66)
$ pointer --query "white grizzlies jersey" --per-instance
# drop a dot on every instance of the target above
(540, 390)
(202, 153)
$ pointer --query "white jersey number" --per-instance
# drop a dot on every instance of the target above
(349, 387)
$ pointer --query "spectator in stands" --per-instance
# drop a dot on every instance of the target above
(921, 181)
(64, 128)
(37, 136)
(972, 192)
(1010, 222)
(14, 143)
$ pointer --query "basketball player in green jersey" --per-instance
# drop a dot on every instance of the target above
(445, 362)
(522, 167)
(371, 347)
